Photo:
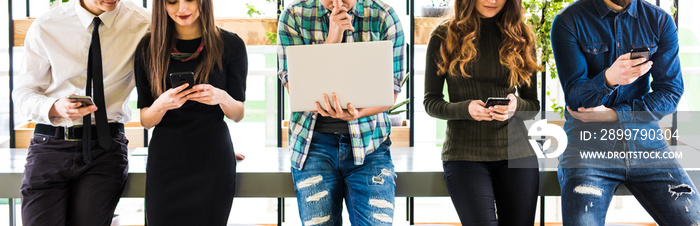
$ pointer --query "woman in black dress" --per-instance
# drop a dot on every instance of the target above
(191, 164)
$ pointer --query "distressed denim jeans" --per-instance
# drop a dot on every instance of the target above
(661, 186)
(329, 175)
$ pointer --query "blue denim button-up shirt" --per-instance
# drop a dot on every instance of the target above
(587, 37)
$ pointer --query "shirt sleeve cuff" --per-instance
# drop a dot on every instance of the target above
(283, 77)
(624, 112)
(606, 90)
(464, 106)
(397, 83)
(46, 108)
(525, 110)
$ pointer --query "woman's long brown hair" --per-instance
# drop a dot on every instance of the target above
(163, 37)
(516, 51)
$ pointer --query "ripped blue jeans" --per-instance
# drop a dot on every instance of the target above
(329, 175)
(662, 187)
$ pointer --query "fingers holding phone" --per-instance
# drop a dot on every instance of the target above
(501, 108)
(505, 109)
(628, 67)
(478, 111)
(173, 98)
(72, 107)
(207, 94)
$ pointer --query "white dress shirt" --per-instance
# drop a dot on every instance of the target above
(56, 55)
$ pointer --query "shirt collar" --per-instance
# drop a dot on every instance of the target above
(603, 9)
(357, 10)
(86, 16)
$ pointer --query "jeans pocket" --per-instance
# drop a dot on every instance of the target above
(121, 140)
(39, 139)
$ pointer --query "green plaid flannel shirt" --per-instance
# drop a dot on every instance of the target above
(305, 22)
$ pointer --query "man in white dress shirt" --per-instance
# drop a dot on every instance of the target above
(75, 174)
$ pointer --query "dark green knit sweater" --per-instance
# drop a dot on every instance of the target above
(466, 138)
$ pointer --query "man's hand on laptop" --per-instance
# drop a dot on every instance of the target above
(335, 110)
(594, 114)
(339, 21)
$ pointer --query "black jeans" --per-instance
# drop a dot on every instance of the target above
(475, 186)
(59, 189)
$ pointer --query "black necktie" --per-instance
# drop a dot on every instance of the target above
(94, 77)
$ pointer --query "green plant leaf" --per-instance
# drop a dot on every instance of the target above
(405, 78)
(402, 103)
(252, 10)
(271, 37)
(396, 112)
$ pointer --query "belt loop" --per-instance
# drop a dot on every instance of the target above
(57, 131)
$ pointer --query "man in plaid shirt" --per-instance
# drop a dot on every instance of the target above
(339, 153)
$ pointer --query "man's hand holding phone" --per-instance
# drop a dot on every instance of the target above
(71, 109)
(626, 69)
(339, 22)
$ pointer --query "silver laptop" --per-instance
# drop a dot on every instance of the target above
(361, 73)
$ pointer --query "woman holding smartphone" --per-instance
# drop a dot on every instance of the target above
(191, 164)
(486, 50)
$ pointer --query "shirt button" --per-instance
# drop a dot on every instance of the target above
(595, 50)
(308, 139)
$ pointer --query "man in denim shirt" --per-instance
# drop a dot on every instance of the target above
(338, 153)
(609, 97)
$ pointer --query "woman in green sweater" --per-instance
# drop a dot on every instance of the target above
(486, 50)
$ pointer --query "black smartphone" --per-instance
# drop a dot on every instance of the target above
(179, 78)
(493, 101)
(85, 100)
(641, 52)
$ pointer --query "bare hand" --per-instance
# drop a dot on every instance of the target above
(66, 109)
(335, 110)
(503, 113)
(479, 112)
(207, 94)
(173, 98)
(240, 156)
(594, 114)
(623, 71)
(339, 22)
